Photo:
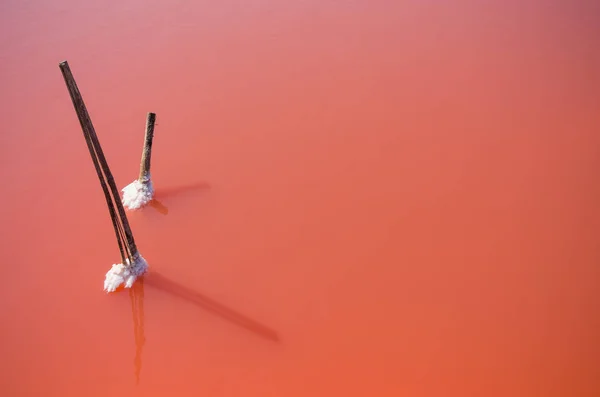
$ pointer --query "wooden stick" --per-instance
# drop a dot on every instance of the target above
(101, 164)
(147, 151)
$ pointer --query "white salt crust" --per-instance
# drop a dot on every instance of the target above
(125, 274)
(137, 194)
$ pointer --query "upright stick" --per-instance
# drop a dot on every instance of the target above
(147, 151)
(94, 145)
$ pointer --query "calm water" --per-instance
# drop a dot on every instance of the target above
(359, 198)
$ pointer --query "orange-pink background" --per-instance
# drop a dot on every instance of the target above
(406, 192)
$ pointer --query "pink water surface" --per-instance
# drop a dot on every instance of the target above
(354, 198)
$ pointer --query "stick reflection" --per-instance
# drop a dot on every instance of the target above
(136, 294)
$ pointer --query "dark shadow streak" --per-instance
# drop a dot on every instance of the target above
(157, 205)
(162, 283)
(177, 190)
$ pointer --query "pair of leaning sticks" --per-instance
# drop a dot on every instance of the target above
(127, 247)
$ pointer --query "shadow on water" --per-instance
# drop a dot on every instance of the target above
(160, 207)
(173, 288)
(136, 295)
(168, 192)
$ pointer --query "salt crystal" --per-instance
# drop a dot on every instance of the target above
(137, 194)
(125, 274)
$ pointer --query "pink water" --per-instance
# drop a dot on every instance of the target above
(354, 198)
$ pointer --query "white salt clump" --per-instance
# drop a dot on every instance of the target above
(137, 194)
(125, 274)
